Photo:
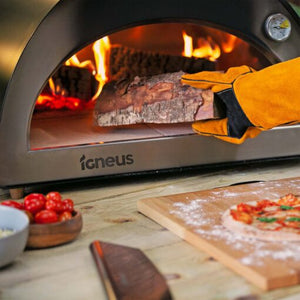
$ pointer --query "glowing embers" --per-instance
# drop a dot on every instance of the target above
(58, 102)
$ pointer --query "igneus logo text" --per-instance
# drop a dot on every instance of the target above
(105, 162)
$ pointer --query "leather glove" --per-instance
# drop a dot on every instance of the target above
(253, 100)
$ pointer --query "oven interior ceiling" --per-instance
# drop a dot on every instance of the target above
(63, 115)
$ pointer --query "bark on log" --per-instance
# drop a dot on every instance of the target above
(158, 99)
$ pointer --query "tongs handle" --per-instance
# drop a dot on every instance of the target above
(98, 256)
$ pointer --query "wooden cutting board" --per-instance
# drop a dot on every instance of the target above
(196, 218)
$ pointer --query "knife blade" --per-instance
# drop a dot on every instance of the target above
(127, 274)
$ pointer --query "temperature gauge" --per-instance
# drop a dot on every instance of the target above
(278, 27)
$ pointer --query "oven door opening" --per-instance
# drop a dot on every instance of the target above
(68, 112)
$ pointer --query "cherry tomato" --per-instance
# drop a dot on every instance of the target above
(34, 196)
(54, 196)
(46, 216)
(34, 205)
(68, 205)
(243, 207)
(241, 216)
(289, 199)
(12, 203)
(55, 205)
(66, 215)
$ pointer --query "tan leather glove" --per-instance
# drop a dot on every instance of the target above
(253, 100)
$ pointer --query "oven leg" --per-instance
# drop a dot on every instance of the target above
(16, 193)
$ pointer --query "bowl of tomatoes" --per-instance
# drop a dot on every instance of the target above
(53, 220)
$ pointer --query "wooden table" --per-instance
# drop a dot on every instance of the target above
(109, 214)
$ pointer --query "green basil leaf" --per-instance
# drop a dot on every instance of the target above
(267, 220)
(293, 219)
(286, 207)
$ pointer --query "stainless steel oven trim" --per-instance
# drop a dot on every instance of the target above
(146, 155)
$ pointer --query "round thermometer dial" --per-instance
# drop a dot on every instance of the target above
(278, 27)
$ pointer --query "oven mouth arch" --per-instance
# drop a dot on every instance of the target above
(56, 39)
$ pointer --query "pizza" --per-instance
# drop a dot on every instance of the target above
(266, 219)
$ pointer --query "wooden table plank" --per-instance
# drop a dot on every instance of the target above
(109, 213)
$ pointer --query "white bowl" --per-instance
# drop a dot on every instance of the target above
(12, 245)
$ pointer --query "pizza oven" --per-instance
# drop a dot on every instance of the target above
(55, 62)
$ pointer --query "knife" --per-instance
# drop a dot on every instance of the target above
(127, 274)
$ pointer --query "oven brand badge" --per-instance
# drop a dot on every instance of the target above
(104, 162)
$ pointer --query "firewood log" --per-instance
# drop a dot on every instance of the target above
(127, 62)
(124, 64)
(72, 81)
(158, 99)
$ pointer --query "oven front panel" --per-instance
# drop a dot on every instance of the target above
(143, 156)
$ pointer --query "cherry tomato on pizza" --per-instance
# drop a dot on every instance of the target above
(289, 199)
(241, 216)
(265, 203)
(243, 207)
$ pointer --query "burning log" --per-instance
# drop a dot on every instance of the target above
(158, 99)
(71, 81)
(124, 65)
(128, 62)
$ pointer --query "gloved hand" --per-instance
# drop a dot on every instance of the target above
(253, 100)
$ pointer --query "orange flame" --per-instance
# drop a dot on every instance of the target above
(207, 48)
(74, 61)
(188, 45)
(59, 98)
(100, 50)
(229, 44)
(101, 53)
(52, 86)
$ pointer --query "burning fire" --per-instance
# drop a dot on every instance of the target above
(58, 98)
(207, 47)
(229, 44)
(101, 53)
(55, 97)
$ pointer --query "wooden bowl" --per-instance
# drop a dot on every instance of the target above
(54, 234)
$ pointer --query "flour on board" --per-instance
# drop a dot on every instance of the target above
(207, 225)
